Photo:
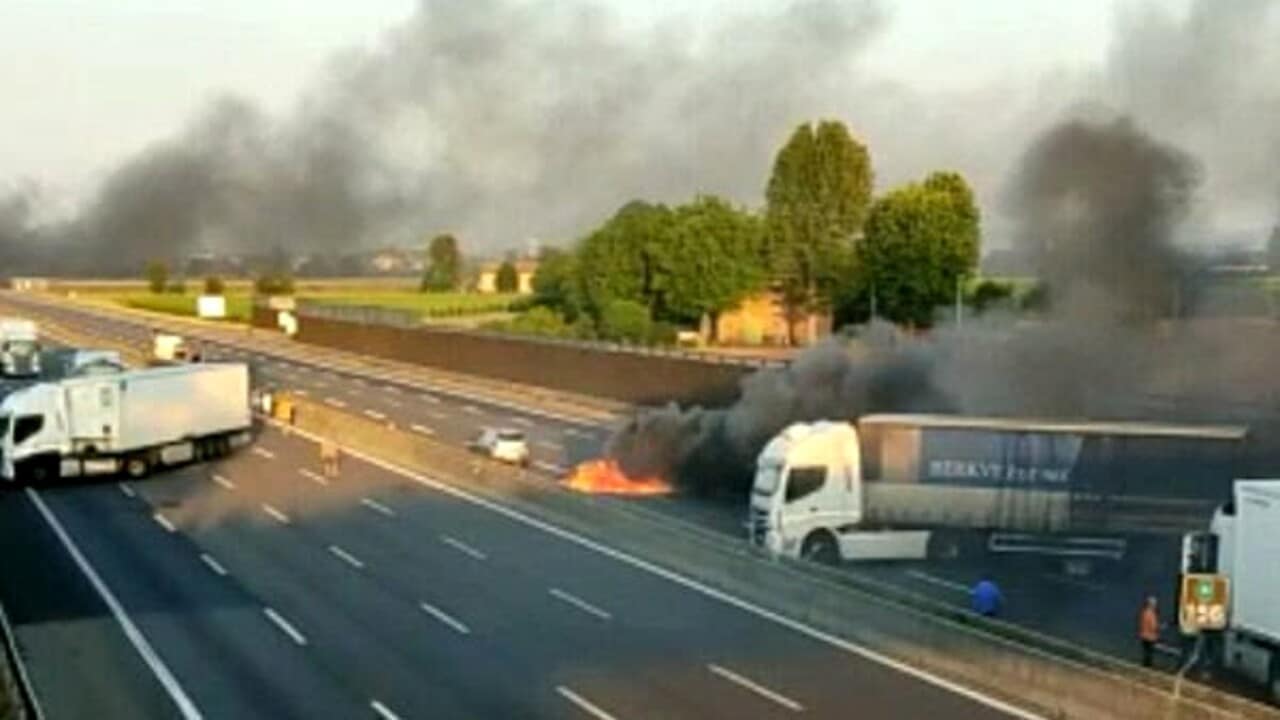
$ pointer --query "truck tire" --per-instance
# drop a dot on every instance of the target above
(137, 466)
(820, 547)
(40, 471)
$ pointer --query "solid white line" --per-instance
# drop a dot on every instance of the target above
(776, 618)
(213, 564)
(422, 429)
(522, 421)
(383, 711)
(128, 491)
(285, 626)
(377, 507)
(462, 547)
(164, 522)
(375, 414)
(268, 509)
(335, 402)
(346, 557)
(583, 704)
(935, 580)
(579, 603)
(131, 631)
(445, 618)
(313, 476)
(756, 688)
(549, 467)
(263, 452)
(224, 482)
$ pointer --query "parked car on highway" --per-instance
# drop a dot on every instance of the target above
(503, 444)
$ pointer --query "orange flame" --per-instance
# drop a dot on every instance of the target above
(603, 476)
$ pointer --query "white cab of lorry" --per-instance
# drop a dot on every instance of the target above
(19, 348)
(807, 500)
(1247, 534)
(134, 421)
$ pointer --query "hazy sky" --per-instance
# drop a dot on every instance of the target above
(85, 82)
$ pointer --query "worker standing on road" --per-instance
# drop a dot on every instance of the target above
(986, 598)
(1148, 629)
(330, 458)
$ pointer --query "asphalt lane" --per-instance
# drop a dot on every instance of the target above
(382, 591)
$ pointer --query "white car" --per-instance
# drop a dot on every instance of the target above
(503, 444)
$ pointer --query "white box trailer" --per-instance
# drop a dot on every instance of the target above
(133, 421)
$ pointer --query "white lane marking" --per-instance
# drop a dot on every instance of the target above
(557, 447)
(445, 618)
(422, 429)
(462, 547)
(214, 565)
(263, 452)
(549, 467)
(584, 704)
(375, 414)
(335, 402)
(128, 491)
(164, 522)
(131, 631)
(285, 626)
(377, 507)
(756, 688)
(383, 711)
(439, 415)
(392, 389)
(273, 512)
(522, 421)
(579, 603)
(301, 393)
(690, 584)
(430, 398)
(346, 557)
(313, 476)
(935, 580)
(471, 409)
(224, 482)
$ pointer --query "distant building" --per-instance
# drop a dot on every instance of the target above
(395, 261)
(487, 279)
(761, 319)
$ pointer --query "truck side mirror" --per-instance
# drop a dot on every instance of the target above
(1199, 553)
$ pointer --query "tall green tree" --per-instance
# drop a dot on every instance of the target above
(624, 259)
(921, 241)
(714, 258)
(444, 264)
(816, 203)
(157, 272)
(556, 283)
(508, 279)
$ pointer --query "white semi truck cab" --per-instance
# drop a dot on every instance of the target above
(19, 348)
(807, 500)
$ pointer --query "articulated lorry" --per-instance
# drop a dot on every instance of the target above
(884, 487)
(19, 348)
(133, 421)
(1242, 547)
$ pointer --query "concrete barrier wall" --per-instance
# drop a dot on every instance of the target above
(624, 376)
(947, 644)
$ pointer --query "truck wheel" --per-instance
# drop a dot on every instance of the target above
(137, 467)
(42, 471)
(820, 547)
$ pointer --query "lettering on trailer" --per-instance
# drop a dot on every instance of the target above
(997, 472)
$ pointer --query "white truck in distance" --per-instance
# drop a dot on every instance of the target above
(133, 421)
(19, 348)
(1247, 535)
(168, 349)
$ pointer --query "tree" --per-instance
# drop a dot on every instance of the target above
(508, 280)
(213, 285)
(714, 258)
(157, 272)
(921, 240)
(816, 204)
(556, 283)
(624, 259)
(625, 321)
(274, 282)
(444, 264)
(1273, 251)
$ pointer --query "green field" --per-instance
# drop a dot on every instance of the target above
(240, 303)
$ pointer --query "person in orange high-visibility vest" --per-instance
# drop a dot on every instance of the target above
(1148, 630)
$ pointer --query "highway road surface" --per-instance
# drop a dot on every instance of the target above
(257, 587)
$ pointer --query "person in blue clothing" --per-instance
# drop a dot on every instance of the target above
(986, 598)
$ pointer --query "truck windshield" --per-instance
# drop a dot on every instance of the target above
(767, 479)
